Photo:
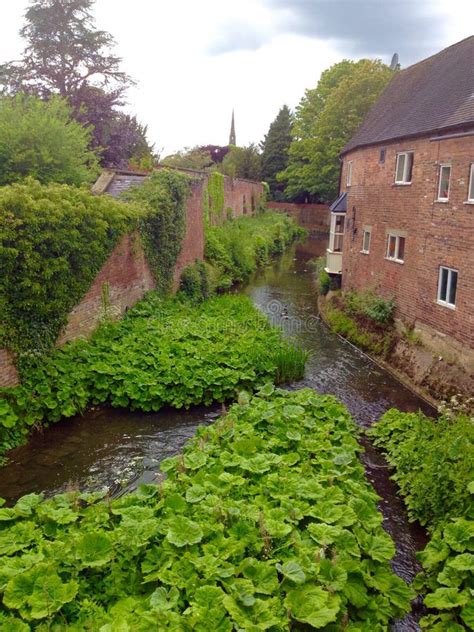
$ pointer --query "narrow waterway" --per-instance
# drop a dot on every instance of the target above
(118, 449)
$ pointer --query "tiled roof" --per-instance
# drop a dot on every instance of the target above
(433, 95)
(340, 204)
(122, 181)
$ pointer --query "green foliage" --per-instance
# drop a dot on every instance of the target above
(195, 282)
(323, 281)
(53, 241)
(433, 461)
(347, 326)
(163, 197)
(367, 303)
(448, 577)
(213, 192)
(238, 247)
(163, 353)
(243, 162)
(265, 522)
(325, 120)
(39, 139)
(275, 148)
(290, 361)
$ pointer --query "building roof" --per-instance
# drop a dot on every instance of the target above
(434, 95)
(340, 204)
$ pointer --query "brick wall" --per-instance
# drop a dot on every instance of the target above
(126, 276)
(8, 373)
(314, 217)
(437, 233)
(242, 196)
(193, 242)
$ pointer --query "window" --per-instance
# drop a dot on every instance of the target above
(366, 241)
(382, 156)
(447, 284)
(336, 235)
(404, 168)
(470, 195)
(349, 174)
(444, 178)
(396, 248)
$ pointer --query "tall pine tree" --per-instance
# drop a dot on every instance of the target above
(275, 148)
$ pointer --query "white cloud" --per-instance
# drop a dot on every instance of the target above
(186, 94)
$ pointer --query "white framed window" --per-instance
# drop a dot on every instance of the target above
(404, 167)
(395, 248)
(336, 234)
(447, 286)
(366, 240)
(470, 194)
(444, 181)
(349, 174)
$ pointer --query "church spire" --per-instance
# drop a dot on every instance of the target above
(232, 140)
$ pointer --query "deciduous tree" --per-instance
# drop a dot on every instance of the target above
(325, 120)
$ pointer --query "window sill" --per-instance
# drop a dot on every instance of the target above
(448, 305)
(401, 184)
(442, 201)
(394, 260)
(469, 202)
(364, 252)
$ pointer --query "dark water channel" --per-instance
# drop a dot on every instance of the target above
(118, 449)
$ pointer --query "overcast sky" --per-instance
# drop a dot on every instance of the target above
(196, 60)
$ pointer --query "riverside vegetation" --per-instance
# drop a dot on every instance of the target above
(164, 352)
(434, 469)
(265, 522)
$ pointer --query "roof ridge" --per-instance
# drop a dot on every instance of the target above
(440, 52)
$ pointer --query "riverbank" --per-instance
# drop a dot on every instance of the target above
(400, 352)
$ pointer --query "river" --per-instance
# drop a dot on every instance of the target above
(119, 449)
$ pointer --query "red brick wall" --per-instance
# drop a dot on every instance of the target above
(193, 242)
(8, 373)
(128, 277)
(242, 196)
(315, 217)
(437, 233)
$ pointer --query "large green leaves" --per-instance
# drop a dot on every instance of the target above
(313, 605)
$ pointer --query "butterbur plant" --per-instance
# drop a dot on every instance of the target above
(265, 522)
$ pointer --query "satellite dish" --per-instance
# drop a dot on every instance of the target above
(395, 64)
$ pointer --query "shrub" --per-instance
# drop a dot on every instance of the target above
(433, 461)
(195, 282)
(366, 303)
(239, 246)
(53, 241)
(324, 281)
(39, 139)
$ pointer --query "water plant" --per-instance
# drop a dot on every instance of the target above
(165, 352)
(265, 522)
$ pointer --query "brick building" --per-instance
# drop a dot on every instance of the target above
(403, 224)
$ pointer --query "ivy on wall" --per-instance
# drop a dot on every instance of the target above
(53, 241)
(213, 198)
(162, 197)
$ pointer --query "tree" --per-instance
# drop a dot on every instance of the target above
(66, 55)
(243, 162)
(275, 148)
(39, 139)
(325, 120)
(64, 51)
(202, 157)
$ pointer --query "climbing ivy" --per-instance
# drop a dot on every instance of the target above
(53, 241)
(163, 223)
(213, 197)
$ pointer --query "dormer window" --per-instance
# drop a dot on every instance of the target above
(443, 186)
(404, 168)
